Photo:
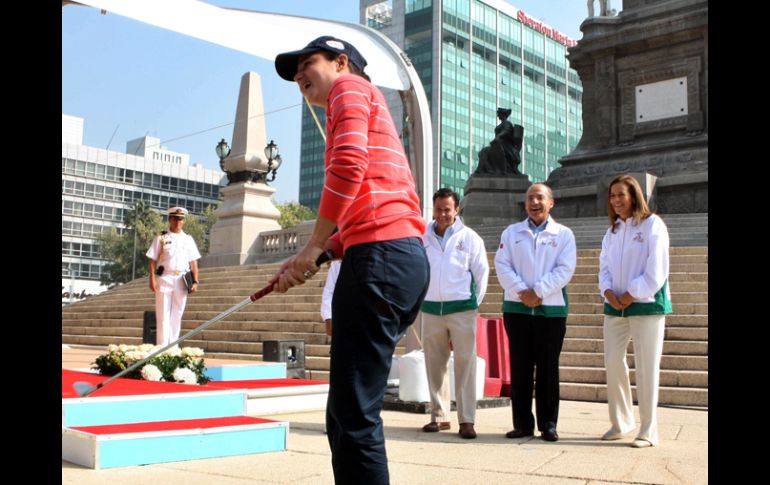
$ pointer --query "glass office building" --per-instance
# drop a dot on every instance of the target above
(472, 57)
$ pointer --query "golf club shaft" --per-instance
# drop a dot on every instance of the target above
(324, 257)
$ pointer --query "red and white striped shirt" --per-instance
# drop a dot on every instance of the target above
(368, 189)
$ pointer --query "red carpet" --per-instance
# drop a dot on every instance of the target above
(205, 423)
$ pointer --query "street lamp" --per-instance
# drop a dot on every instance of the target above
(273, 160)
(222, 152)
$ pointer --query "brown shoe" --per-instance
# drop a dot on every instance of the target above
(467, 432)
(434, 427)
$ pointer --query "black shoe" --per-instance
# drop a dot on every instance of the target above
(467, 432)
(519, 433)
(434, 427)
(550, 434)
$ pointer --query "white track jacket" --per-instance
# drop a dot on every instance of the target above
(459, 274)
(635, 259)
(544, 262)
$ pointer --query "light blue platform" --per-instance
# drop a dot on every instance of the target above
(129, 449)
(96, 411)
(247, 372)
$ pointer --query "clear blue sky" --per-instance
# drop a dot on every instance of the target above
(140, 79)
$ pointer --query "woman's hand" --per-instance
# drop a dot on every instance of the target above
(612, 299)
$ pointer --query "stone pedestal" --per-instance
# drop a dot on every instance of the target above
(245, 212)
(645, 106)
(494, 199)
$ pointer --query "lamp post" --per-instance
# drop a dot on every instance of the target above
(223, 150)
(273, 160)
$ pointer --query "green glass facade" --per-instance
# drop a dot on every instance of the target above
(311, 161)
(489, 58)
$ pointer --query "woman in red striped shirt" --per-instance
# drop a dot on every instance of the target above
(369, 195)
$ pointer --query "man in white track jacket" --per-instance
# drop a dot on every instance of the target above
(535, 261)
(459, 271)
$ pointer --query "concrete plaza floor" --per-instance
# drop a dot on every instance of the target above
(579, 457)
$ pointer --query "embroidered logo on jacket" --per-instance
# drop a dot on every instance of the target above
(639, 237)
(460, 246)
(549, 242)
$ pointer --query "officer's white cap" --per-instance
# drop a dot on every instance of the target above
(177, 211)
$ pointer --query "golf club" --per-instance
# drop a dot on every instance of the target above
(85, 388)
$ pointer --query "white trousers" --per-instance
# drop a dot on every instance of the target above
(437, 331)
(170, 299)
(647, 335)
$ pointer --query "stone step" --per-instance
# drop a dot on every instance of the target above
(192, 304)
(102, 331)
(100, 340)
(673, 278)
(670, 347)
(593, 269)
(245, 326)
(692, 297)
(672, 362)
(246, 336)
(491, 307)
(673, 259)
(675, 288)
(670, 333)
(670, 378)
(681, 396)
(672, 320)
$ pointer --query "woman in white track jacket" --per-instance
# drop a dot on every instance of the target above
(633, 279)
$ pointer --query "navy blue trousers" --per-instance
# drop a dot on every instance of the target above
(378, 295)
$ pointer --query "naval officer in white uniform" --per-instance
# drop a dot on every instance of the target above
(172, 254)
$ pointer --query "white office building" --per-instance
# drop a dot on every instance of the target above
(99, 186)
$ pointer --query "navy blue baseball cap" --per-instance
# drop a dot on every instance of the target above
(286, 63)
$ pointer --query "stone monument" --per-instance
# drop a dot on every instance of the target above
(495, 190)
(246, 209)
(645, 108)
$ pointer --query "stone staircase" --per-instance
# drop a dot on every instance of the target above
(116, 317)
(684, 366)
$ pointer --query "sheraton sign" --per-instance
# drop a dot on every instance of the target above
(542, 28)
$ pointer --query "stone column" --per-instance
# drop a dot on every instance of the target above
(246, 209)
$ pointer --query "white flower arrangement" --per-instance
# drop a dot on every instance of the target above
(185, 376)
(152, 373)
(174, 365)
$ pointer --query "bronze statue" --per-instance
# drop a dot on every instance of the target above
(502, 156)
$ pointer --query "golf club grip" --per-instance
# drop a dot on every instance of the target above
(324, 257)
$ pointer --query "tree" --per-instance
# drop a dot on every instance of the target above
(125, 252)
(200, 228)
(292, 213)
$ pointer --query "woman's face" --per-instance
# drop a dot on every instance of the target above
(621, 200)
(315, 75)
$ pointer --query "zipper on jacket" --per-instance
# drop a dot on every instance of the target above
(622, 247)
